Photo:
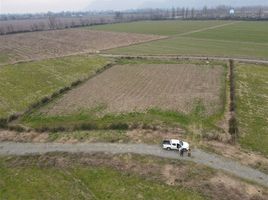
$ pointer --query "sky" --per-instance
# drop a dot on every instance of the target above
(33, 6)
(36, 6)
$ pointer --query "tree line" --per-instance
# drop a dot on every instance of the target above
(51, 21)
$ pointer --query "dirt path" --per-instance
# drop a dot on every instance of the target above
(198, 156)
(205, 29)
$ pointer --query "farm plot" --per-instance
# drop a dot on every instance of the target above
(252, 106)
(46, 44)
(130, 88)
(233, 39)
(23, 84)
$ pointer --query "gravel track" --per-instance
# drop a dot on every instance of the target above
(198, 156)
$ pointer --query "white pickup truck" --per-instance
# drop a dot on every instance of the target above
(174, 144)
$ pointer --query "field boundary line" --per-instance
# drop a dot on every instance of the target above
(182, 57)
(205, 29)
(198, 156)
(225, 41)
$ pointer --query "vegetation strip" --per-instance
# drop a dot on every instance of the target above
(181, 57)
(233, 127)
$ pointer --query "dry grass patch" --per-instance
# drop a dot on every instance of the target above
(47, 44)
(130, 88)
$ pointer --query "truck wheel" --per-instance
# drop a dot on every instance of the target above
(168, 148)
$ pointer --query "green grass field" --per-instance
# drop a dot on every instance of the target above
(200, 38)
(167, 27)
(25, 83)
(252, 106)
(195, 47)
(248, 32)
(80, 182)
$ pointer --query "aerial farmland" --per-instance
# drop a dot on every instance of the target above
(84, 110)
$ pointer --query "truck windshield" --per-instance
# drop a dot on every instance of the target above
(181, 143)
(166, 142)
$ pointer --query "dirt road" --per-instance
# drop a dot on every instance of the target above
(198, 156)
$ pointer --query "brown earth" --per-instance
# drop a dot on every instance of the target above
(128, 88)
(48, 44)
(215, 185)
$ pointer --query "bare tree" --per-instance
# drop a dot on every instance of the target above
(2, 31)
(10, 28)
(186, 13)
(118, 16)
(34, 27)
(260, 12)
(205, 11)
(192, 13)
(173, 13)
(183, 13)
(52, 22)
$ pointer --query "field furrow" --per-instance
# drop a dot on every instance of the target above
(126, 88)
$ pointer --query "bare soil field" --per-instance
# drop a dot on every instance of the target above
(47, 44)
(128, 88)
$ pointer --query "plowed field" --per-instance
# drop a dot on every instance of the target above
(126, 88)
(46, 44)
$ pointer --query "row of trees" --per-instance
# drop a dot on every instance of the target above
(51, 21)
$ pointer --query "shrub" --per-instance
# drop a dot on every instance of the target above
(34, 105)
(45, 100)
(62, 90)
(134, 126)
(87, 126)
(42, 129)
(233, 129)
(146, 126)
(58, 129)
(16, 128)
(13, 117)
(119, 126)
(55, 94)
(76, 83)
(232, 86)
(3, 123)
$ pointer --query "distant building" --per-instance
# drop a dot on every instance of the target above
(232, 11)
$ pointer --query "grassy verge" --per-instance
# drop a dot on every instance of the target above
(24, 84)
(252, 106)
(152, 119)
(90, 136)
(28, 178)
(139, 60)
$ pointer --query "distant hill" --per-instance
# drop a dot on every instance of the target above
(137, 4)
